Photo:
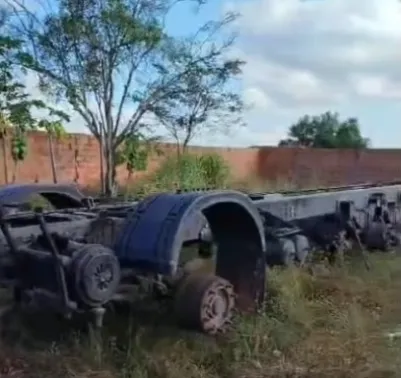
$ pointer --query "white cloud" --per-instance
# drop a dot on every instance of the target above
(256, 98)
(376, 86)
(308, 56)
(314, 55)
(309, 52)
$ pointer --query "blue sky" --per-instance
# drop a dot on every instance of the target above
(329, 54)
(187, 17)
(307, 57)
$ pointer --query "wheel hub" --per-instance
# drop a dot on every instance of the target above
(206, 303)
(216, 311)
(96, 275)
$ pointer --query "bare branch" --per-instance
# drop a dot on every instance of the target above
(114, 63)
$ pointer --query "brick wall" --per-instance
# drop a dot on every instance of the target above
(77, 157)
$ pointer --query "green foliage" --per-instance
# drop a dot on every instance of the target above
(19, 146)
(202, 101)
(83, 49)
(215, 170)
(136, 152)
(190, 171)
(118, 54)
(15, 105)
(53, 128)
(99, 39)
(325, 131)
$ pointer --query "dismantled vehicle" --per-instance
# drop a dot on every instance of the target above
(78, 257)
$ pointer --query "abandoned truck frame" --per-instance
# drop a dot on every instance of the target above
(79, 256)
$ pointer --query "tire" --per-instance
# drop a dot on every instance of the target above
(205, 303)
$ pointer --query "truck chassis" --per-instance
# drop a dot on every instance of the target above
(81, 256)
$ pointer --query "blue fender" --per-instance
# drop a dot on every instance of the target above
(59, 195)
(152, 237)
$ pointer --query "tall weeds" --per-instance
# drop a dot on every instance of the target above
(187, 171)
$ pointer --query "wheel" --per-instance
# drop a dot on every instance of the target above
(376, 237)
(95, 273)
(282, 252)
(206, 303)
(302, 248)
(289, 253)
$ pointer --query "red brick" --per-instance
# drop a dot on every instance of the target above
(301, 166)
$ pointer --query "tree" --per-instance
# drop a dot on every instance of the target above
(203, 101)
(325, 131)
(15, 103)
(54, 130)
(135, 153)
(104, 57)
(4, 130)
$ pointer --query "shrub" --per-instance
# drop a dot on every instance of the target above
(187, 172)
(214, 169)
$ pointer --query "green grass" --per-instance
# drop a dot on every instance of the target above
(330, 322)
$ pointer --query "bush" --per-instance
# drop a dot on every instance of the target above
(187, 172)
(214, 169)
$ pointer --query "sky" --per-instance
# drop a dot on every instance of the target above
(308, 57)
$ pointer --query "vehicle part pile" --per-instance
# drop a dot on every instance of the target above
(83, 255)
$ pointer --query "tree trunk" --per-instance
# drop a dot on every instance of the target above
(127, 184)
(102, 154)
(184, 147)
(111, 189)
(4, 153)
(15, 168)
(178, 147)
(76, 165)
(108, 141)
(52, 159)
(108, 182)
(111, 173)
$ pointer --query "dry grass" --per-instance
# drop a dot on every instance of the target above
(325, 323)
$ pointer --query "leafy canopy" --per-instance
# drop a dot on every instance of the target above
(203, 100)
(325, 131)
(114, 62)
